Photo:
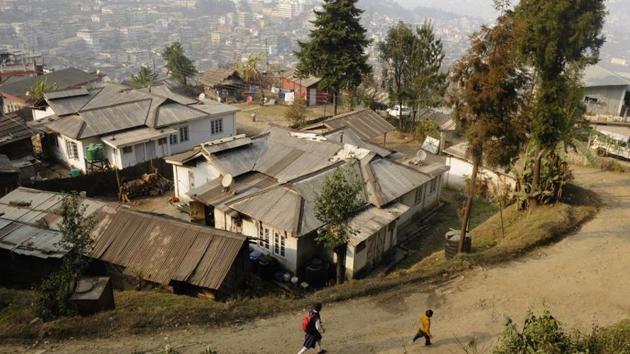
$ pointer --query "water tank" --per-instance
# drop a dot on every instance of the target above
(95, 152)
(452, 243)
(75, 172)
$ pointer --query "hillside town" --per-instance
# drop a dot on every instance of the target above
(242, 176)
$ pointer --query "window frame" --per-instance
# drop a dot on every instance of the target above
(216, 126)
(173, 139)
(184, 134)
(72, 150)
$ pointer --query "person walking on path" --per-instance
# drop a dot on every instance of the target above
(313, 330)
(425, 327)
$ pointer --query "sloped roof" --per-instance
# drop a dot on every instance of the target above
(13, 127)
(164, 249)
(29, 222)
(114, 108)
(214, 77)
(304, 82)
(373, 219)
(352, 138)
(366, 123)
(279, 207)
(596, 76)
(62, 79)
(394, 180)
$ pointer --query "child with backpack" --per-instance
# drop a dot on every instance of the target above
(313, 330)
(425, 328)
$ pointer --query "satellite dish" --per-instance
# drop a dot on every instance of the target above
(202, 96)
(421, 155)
(227, 181)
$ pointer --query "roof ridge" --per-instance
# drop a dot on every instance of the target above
(114, 105)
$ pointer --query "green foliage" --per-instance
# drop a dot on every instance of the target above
(428, 83)
(544, 334)
(179, 67)
(296, 115)
(411, 67)
(425, 128)
(395, 55)
(37, 91)
(341, 196)
(249, 70)
(53, 294)
(336, 48)
(145, 77)
(555, 175)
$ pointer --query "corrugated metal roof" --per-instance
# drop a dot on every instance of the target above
(366, 123)
(173, 113)
(352, 138)
(372, 219)
(163, 250)
(13, 127)
(288, 157)
(29, 222)
(6, 166)
(137, 136)
(279, 207)
(214, 77)
(61, 79)
(164, 91)
(115, 108)
(66, 93)
(213, 193)
(395, 180)
(595, 76)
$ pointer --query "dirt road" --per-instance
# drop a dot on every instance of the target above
(584, 279)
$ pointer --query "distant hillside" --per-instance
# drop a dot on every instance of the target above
(469, 8)
(392, 8)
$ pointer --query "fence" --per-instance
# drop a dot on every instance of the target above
(104, 183)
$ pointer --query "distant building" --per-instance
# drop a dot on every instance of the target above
(606, 92)
(15, 94)
(305, 88)
(223, 84)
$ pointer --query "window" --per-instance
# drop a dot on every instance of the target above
(276, 242)
(173, 138)
(283, 246)
(419, 195)
(127, 150)
(191, 179)
(266, 238)
(183, 134)
(216, 126)
(72, 149)
(261, 241)
(433, 186)
(162, 141)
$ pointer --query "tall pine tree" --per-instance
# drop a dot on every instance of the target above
(335, 51)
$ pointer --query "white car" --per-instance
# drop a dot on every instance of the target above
(399, 111)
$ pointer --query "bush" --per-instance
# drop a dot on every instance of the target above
(296, 115)
(544, 334)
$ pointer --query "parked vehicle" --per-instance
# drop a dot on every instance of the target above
(399, 111)
(610, 143)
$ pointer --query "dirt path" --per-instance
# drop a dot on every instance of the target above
(584, 279)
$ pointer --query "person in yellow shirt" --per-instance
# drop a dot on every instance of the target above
(425, 327)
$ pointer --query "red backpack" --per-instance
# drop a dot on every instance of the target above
(306, 321)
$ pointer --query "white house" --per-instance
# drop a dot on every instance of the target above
(133, 125)
(461, 169)
(605, 92)
(273, 181)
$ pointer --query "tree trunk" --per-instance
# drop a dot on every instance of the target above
(340, 252)
(536, 178)
(469, 201)
(335, 102)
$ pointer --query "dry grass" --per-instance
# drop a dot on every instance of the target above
(151, 311)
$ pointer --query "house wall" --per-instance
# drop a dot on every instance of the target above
(202, 173)
(59, 151)
(369, 253)
(199, 131)
(462, 169)
(610, 99)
